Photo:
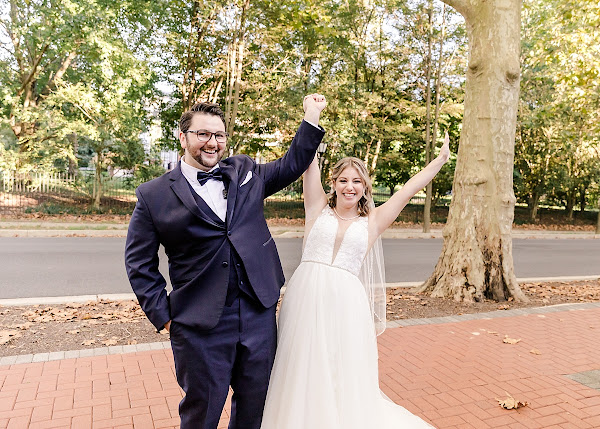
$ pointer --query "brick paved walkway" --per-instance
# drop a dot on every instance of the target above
(448, 373)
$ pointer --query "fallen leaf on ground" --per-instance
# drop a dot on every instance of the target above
(88, 342)
(511, 403)
(535, 352)
(74, 331)
(509, 340)
(6, 336)
(111, 342)
(21, 326)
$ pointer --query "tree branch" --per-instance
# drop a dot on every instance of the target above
(60, 72)
(34, 68)
(15, 41)
(462, 6)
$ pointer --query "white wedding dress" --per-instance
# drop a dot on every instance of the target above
(325, 374)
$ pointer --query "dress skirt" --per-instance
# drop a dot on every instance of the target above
(325, 374)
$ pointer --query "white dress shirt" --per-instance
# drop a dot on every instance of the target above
(211, 192)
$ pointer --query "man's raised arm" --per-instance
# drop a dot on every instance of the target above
(285, 170)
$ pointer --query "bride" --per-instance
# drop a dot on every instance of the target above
(325, 373)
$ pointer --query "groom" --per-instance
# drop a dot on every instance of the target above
(223, 264)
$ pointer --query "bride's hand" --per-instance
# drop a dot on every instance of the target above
(445, 150)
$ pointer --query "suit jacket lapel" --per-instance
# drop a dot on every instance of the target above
(181, 188)
(232, 187)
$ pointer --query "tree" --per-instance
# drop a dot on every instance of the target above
(61, 57)
(476, 260)
(393, 168)
(558, 126)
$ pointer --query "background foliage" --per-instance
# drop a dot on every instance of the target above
(101, 84)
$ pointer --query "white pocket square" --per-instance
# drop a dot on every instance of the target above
(247, 179)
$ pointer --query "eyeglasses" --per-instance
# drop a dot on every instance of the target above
(204, 136)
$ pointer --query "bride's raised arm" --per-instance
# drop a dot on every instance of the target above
(384, 215)
(314, 195)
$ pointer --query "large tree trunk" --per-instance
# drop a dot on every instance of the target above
(476, 260)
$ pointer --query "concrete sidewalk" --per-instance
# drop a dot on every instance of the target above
(447, 370)
(90, 229)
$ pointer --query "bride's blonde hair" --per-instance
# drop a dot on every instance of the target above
(364, 204)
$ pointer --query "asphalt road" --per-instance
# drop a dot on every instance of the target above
(38, 267)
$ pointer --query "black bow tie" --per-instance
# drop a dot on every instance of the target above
(204, 177)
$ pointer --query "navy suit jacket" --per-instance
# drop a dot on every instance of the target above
(198, 248)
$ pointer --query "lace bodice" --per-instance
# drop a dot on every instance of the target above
(320, 242)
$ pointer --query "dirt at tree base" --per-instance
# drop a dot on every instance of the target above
(405, 304)
(51, 328)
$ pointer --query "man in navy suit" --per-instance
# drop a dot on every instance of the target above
(223, 264)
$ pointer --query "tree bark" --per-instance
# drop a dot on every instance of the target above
(74, 139)
(428, 143)
(235, 75)
(429, 200)
(534, 201)
(97, 194)
(571, 195)
(375, 157)
(582, 201)
(476, 260)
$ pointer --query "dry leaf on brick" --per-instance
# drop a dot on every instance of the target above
(535, 352)
(511, 403)
(509, 340)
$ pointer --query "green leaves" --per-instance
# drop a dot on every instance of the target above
(557, 143)
(71, 72)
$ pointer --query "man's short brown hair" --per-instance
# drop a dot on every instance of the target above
(204, 107)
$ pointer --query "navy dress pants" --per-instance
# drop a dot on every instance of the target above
(238, 352)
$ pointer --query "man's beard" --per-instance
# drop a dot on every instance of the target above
(202, 162)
